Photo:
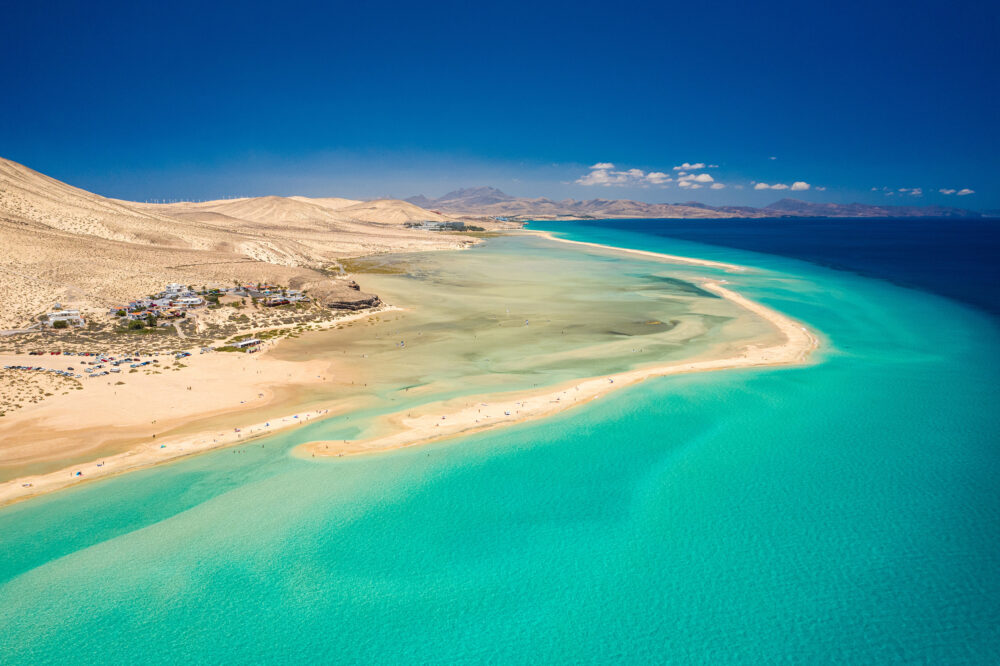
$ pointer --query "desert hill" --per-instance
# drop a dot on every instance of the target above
(64, 244)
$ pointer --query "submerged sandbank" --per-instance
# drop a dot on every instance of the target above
(478, 413)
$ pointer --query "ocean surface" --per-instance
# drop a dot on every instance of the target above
(955, 257)
(844, 511)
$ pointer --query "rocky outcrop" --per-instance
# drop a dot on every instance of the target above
(360, 303)
(340, 294)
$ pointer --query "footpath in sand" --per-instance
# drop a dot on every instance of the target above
(470, 415)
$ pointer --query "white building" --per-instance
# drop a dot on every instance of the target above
(71, 317)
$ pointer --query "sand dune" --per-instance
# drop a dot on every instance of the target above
(333, 203)
(65, 244)
(391, 211)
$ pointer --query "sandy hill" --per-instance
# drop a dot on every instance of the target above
(65, 244)
(333, 203)
(391, 211)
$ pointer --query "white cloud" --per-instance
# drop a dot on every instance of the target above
(821, 189)
(713, 166)
(690, 167)
(692, 178)
(765, 186)
(903, 189)
(965, 191)
(916, 192)
(717, 186)
(601, 177)
(761, 186)
(945, 190)
(800, 186)
(772, 158)
(874, 189)
(604, 174)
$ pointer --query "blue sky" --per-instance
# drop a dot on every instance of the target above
(185, 100)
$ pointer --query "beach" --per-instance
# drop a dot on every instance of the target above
(123, 422)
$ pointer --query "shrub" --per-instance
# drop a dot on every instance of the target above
(60, 324)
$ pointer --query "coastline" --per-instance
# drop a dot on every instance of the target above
(216, 372)
(435, 421)
(474, 414)
(672, 258)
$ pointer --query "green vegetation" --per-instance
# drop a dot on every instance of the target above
(60, 324)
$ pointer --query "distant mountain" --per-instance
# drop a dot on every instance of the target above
(491, 202)
(809, 209)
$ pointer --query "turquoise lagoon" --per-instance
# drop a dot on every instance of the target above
(844, 511)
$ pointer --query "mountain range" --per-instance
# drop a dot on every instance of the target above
(491, 202)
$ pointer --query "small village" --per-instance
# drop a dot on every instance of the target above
(184, 316)
(151, 335)
(176, 300)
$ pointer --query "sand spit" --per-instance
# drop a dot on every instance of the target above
(474, 414)
(673, 258)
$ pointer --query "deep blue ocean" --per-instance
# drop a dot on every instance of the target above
(957, 258)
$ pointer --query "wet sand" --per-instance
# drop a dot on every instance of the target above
(479, 413)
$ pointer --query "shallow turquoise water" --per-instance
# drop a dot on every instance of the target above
(845, 511)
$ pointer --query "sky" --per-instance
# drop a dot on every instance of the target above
(722, 102)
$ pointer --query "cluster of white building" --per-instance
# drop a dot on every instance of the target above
(172, 302)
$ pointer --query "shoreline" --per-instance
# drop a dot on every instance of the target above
(174, 447)
(452, 418)
(648, 254)
(445, 420)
